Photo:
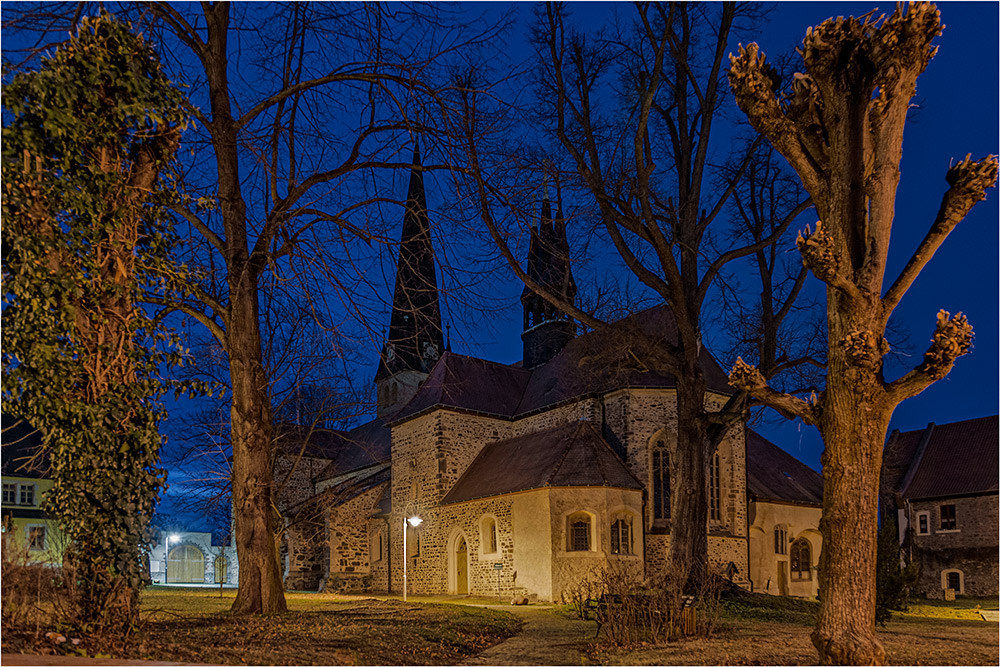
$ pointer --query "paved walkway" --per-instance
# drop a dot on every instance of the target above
(25, 659)
(545, 639)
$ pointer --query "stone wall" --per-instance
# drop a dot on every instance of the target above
(299, 485)
(970, 548)
(350, 546)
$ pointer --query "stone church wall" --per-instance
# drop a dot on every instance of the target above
(349, 544)
(299, 485)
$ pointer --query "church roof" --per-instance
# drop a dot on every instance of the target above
(573, 454)
(362, 446)
(23, 454)
(350, 487)
(950, 459)
(774, 474)
(589, 364)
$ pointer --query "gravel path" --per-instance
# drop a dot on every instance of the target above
(545, 639)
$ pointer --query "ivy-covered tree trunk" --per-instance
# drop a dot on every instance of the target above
(85, 158)
(841, 129)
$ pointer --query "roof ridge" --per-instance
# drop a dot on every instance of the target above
(562, 459)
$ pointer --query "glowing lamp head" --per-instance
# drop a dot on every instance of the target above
(173, 538)
(414, 521)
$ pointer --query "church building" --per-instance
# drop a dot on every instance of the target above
(527, 477)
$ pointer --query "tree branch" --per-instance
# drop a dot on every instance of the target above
(952, 339)
(968, 181)
(747, 378)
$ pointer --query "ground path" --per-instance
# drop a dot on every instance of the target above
(545, 639)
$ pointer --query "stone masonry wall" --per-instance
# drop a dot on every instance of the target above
(349, 544)
(971, 547)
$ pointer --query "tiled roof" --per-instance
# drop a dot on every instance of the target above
(958, 459)
(774, 474)
(592, 363)
(23, 454)
(471, 384)
(362, 446)
(573, 454)
(350, 487)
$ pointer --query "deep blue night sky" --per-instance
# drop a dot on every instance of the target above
(957, 113)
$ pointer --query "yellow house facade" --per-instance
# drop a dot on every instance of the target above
(29, 536)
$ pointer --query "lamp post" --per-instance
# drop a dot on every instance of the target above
(413, 521)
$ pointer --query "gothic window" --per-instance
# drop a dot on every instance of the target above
(28, 494)
(948, 521)
(714, 490)
(661, 481)
(780, 540)
(488, 535)
(579, 525)
(621, 536)
(800, 559)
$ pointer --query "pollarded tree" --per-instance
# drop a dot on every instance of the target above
(842, 132)
(87, 171)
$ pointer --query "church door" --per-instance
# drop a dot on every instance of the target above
(186, 565)
(462, 565)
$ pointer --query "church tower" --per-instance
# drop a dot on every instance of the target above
(546, 328)
(415, 338)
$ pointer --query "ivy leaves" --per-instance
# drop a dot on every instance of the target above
(87, 176)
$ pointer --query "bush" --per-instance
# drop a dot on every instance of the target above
(893, 580)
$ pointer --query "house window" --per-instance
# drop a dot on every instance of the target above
(28, 494)
(621, 537)
(923, 523)
(488, 535)
(661, 481)
(579, 532)
(714, 491)
(780, 540)
(953, 579)
(36, 538)
(800, 559)
(10, 494)
(948, 521)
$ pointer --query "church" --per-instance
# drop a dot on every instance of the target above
(525, 479)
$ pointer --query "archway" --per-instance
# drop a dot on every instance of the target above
(461, 566)
(186, 565)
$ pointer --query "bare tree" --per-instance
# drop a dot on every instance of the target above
(632, 118)
(334, 93)
(842, 131)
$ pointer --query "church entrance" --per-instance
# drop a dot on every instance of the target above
(462, 567)
(185, 565)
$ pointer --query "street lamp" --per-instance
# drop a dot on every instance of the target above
(413, 521)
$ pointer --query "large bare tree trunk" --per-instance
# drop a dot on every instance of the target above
(842, 131)
(260, 586)
(261, 590)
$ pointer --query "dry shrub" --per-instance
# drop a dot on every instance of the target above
(654, 610)
(587, 588)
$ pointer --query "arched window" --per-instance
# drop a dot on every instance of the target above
(800, 559)
(661, 481)
(780, 540)
(578, 532)
(621, 536)
(714, 490)
(953, 579)
(488, 535)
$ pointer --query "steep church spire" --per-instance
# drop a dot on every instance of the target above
(415, 337)
(546, 328)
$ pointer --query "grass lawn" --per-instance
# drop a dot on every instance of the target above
(766, 630)
(193, 625)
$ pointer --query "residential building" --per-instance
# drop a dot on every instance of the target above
(940, 484)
